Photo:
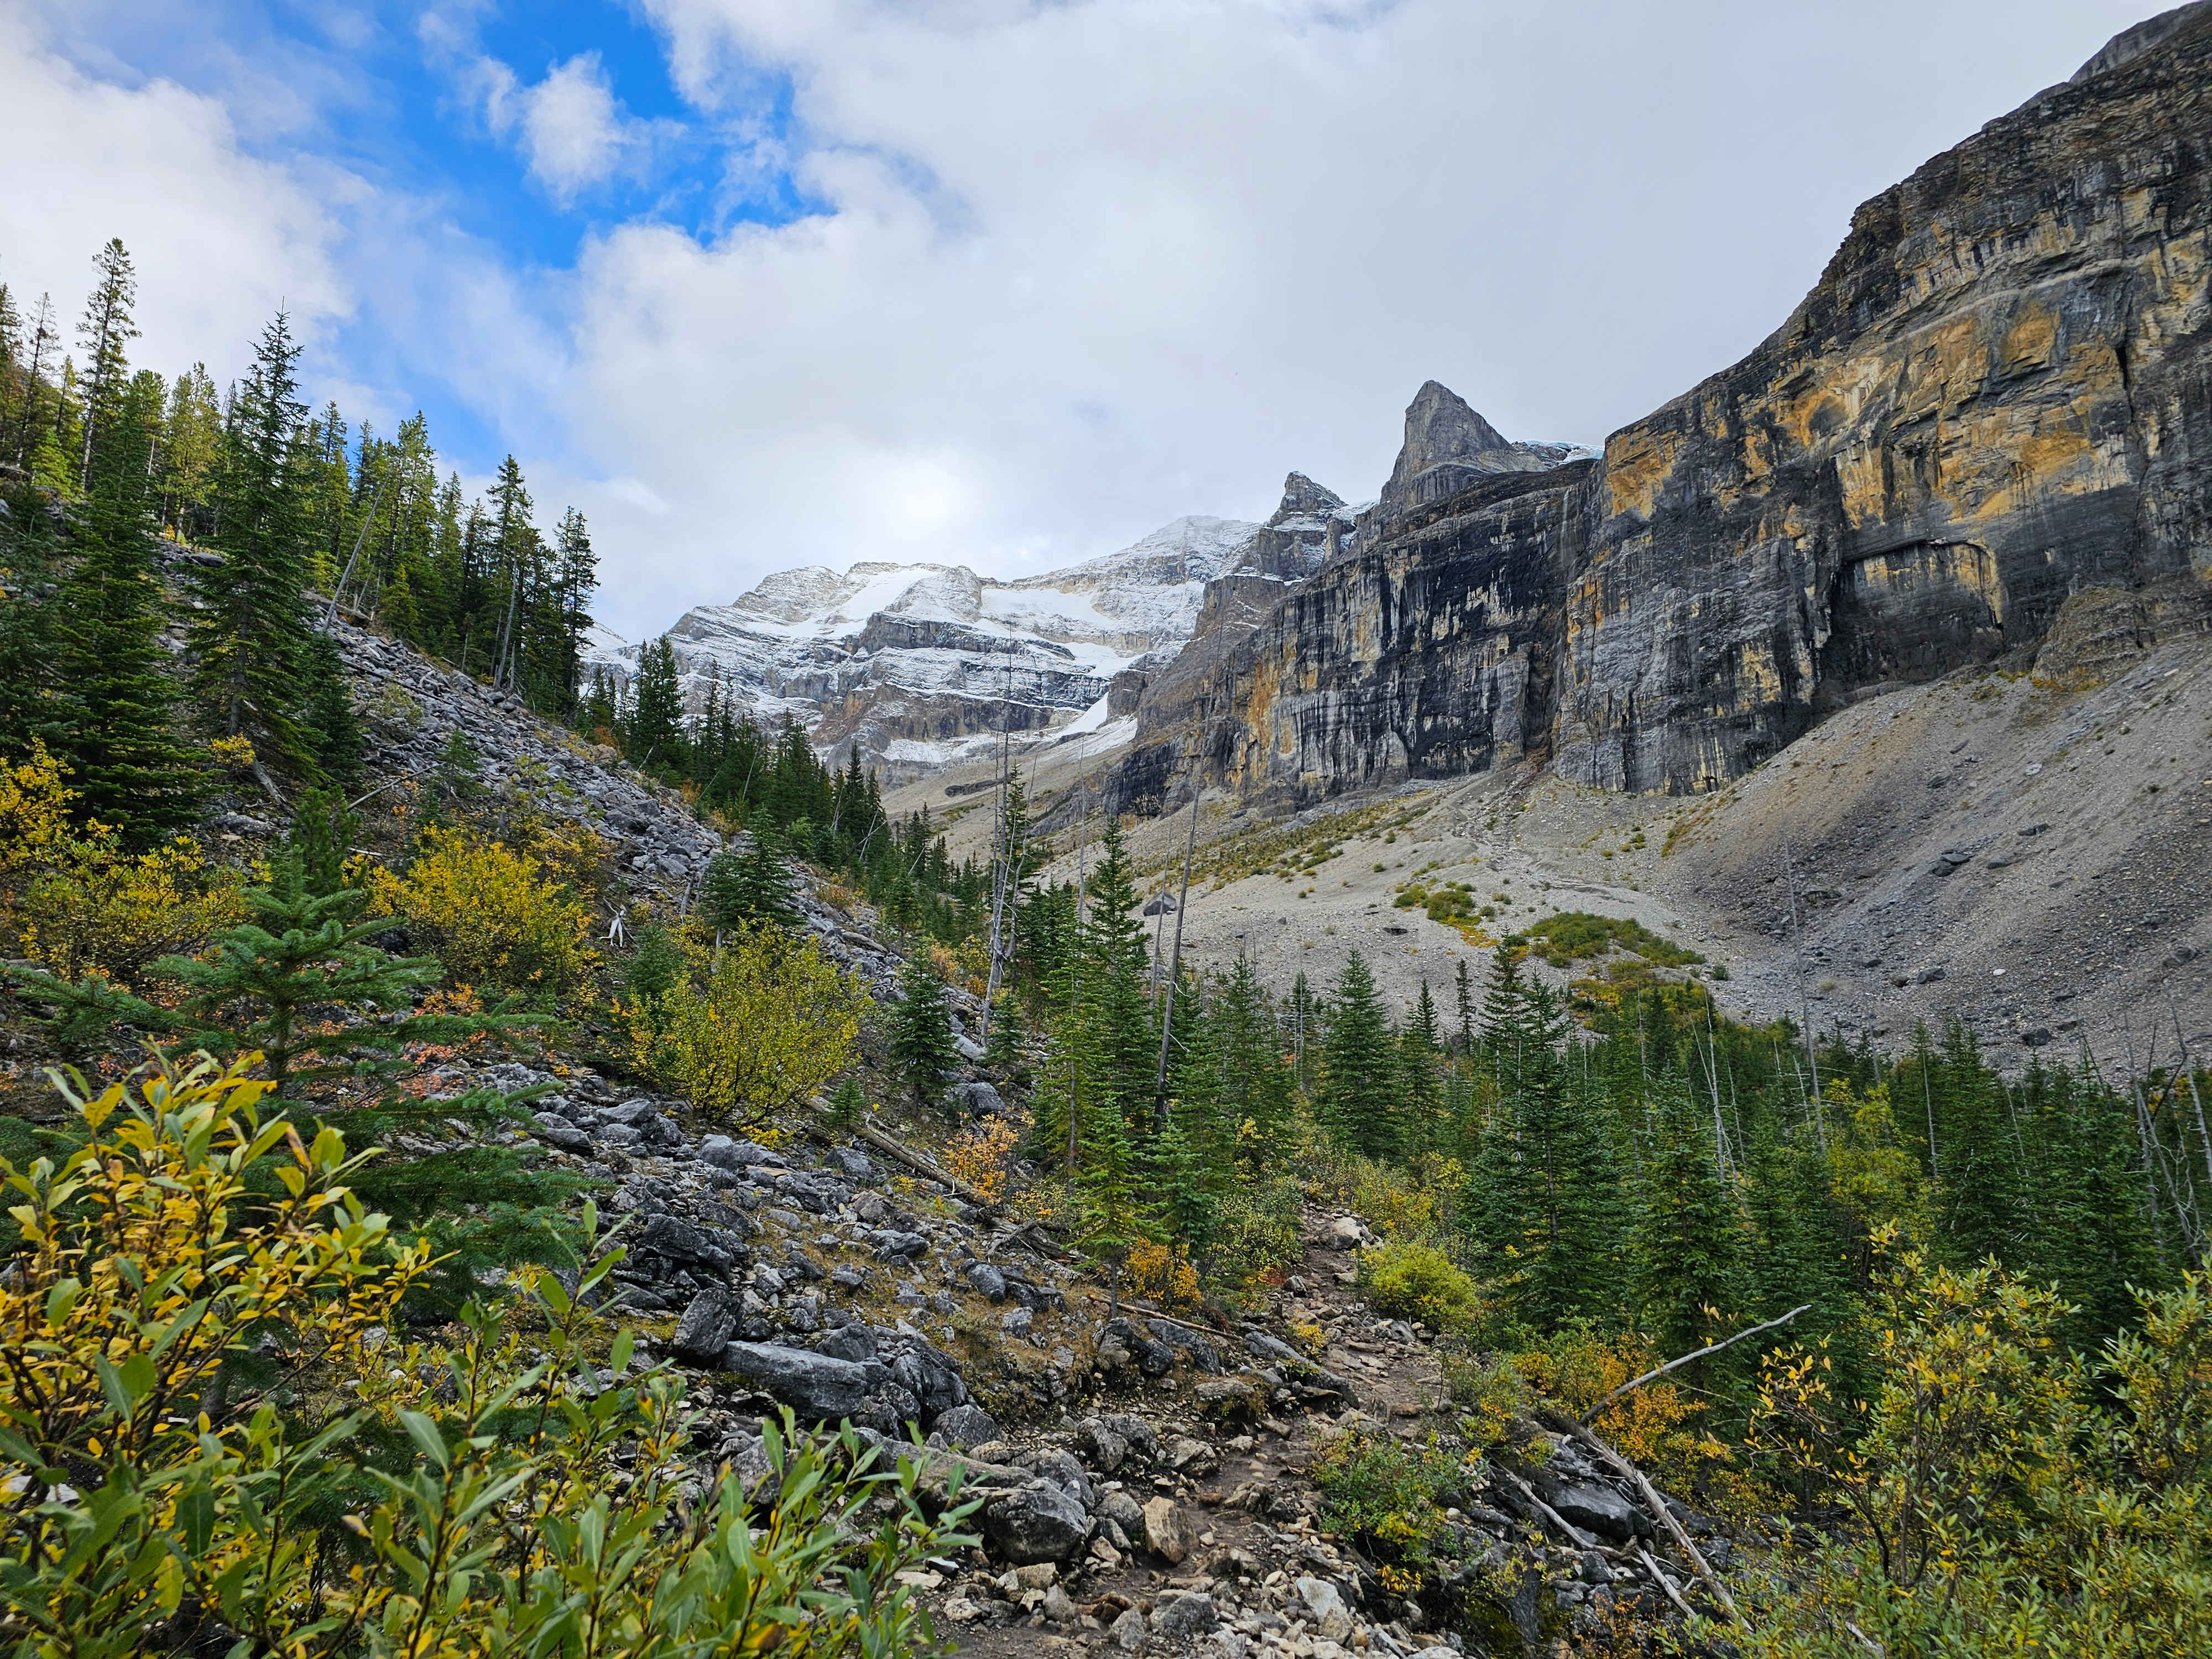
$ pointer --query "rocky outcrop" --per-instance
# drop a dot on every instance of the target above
(1998, 395)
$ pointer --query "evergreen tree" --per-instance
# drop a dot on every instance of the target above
(1545, 1200)
(1358, 1104)
(323, 833)
(656, 715)
(1005, 1049)
(327, 722)
(105, 331)
(1117, 967)
(250, 632)
(115, 722)
(921, 1050)
(294, 982)
(1421, 1087)
(748, 886)
(1688, 1245)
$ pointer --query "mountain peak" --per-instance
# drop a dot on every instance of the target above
(1301, 495)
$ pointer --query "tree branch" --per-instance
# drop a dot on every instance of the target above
(1598, 1410)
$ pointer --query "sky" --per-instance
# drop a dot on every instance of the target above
(1005, 283)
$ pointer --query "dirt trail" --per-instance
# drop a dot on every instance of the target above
(1248, 1495)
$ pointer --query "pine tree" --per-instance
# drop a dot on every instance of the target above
(1358, 1104)
(921, 1050)
(1117, 967)
(107, 330)
(1420, 1087)
(323, 832)
(656, 717)
(327, 722)
(748, 886)
(1688, 1243)
(1005, 1048)
(1545, 1199)
(44, 341)
(272, 983)
(250, 634)
(115, 721)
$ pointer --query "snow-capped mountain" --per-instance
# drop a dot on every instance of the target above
(919, 664)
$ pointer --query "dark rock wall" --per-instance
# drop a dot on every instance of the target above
(1998, 395)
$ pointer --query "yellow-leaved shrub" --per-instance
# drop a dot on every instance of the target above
(77, 901)
(218, 1441)
(771, 1022)
(492, 914)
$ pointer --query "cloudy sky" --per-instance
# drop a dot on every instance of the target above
(1004, 282)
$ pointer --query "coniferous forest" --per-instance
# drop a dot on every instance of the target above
(261, 1387)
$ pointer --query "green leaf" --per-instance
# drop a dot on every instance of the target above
(424, 1433)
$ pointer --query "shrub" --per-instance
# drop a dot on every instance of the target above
(2007, 1496)
(77, 903)
(489, 914)
(979, 1156)
(774, 1022)
(1418, 1281)
(1164, 1274)
(1256, 1230)
(1390, 1497)
(199, 1378)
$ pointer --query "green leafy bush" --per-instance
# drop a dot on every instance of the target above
(1412, 1280)
(219, 1444)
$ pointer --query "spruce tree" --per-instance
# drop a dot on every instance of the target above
(655, 733)
(105, 332)
(1546, 1200)
(115, 721)
(250, 633)
(299, 981)
(1420, 1087)
(749, 885)
(1116, 971)
(1688, 1246)
(921, 1050)
(1358, 1104)
(324, 831)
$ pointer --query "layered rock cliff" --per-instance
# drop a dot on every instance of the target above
(1998, 395)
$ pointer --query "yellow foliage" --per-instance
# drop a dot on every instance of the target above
(774, 1022)
(164, 1490)
(980, 1155)
(1164, 1275)
(78, 902)
(34, 812)
(236, 753)
(489, 913)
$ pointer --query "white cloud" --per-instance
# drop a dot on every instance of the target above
(1082, 267)
(220, 238)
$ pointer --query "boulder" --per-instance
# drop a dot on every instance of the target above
(987, 1280)
(1041, 1522)
(1324, 1605)
(967, 1425)
(1127, 1632)
(1168, 1531)
(1598, 1509)
(1184, 1618)
(1106, 1449)
(707, 1327)
(979, 1100)
(1063, 1471)
(816, 1386)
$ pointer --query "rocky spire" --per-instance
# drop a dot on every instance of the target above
(1440, 430)
(1301, 495)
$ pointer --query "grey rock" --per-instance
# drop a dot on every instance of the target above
(1598, 1509)
(1124, 1511)
(1184, 1618)
(706, 1328)
(818, 1388)
(1015, 1321)
(1127, 1631)
(1063, 1471)
(1041, 1522)
(980, 1099)
(987, 1280)
(966, 1425)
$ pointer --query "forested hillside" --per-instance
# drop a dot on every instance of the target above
(366, 967)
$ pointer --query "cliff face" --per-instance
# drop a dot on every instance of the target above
(1998, 395)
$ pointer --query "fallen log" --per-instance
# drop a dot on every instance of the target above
(1653, 1501)
(915, 1161)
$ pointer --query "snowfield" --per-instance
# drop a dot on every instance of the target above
(918, 661)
